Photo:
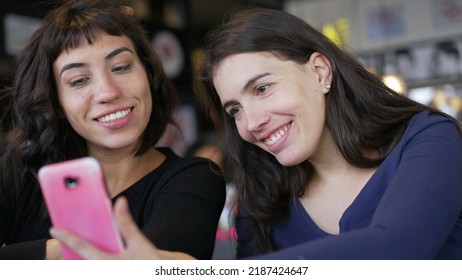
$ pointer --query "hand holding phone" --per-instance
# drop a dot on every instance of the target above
(77, 200)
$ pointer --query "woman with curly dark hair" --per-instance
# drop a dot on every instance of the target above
(89, 84)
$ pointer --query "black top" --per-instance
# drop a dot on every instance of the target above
(177, 206)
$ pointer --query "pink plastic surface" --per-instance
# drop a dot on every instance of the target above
(84, 209)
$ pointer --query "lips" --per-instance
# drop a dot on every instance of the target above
(276, 136)
(114, 116)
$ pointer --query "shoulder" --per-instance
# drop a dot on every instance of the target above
(191, 172)
(432, 134)
(176, 163)
(432, 124)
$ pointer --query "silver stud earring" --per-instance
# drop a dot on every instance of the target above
(328, 86)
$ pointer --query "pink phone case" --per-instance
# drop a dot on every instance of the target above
(77, 200)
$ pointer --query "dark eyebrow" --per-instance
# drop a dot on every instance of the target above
(70, 66)
(108, 57)
(246, 86)
(117, 51)
(253, 80)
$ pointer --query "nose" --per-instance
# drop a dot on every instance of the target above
(106, 89)
(256, 118)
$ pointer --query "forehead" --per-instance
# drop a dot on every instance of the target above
(243, 64)
(238, 69)
(243, 59)
(101, 42)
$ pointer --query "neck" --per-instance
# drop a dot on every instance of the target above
(329, 162)
(122, 172)
(333, 170)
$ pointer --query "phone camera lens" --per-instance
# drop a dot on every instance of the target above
(71, 183)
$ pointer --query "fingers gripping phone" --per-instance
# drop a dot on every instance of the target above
(77, 201)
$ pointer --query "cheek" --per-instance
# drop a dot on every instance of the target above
(143, 92)
(66, 109)
(244, 133)
(142, 87)
(72, 104)
(72, 116)
(148, 104)
(73, 108)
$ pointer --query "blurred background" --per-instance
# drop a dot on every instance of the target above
(415, 45)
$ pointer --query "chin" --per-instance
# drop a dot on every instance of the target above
(288, 162)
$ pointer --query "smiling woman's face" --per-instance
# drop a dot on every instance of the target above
(104, 91)
(277, 105)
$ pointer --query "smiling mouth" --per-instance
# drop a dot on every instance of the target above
(115, 116)
(275, 137)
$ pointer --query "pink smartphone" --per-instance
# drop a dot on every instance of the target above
(77, 200)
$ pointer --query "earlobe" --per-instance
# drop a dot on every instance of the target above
(321, 65)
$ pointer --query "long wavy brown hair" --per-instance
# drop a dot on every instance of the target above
(362, 113)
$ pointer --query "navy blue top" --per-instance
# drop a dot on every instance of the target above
(411, 208)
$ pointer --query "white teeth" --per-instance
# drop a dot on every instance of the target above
(114, 116)
(276, 136)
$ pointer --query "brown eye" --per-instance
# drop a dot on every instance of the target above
(262, 89)
(122, 68)
(234, 111)
(78, 82)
